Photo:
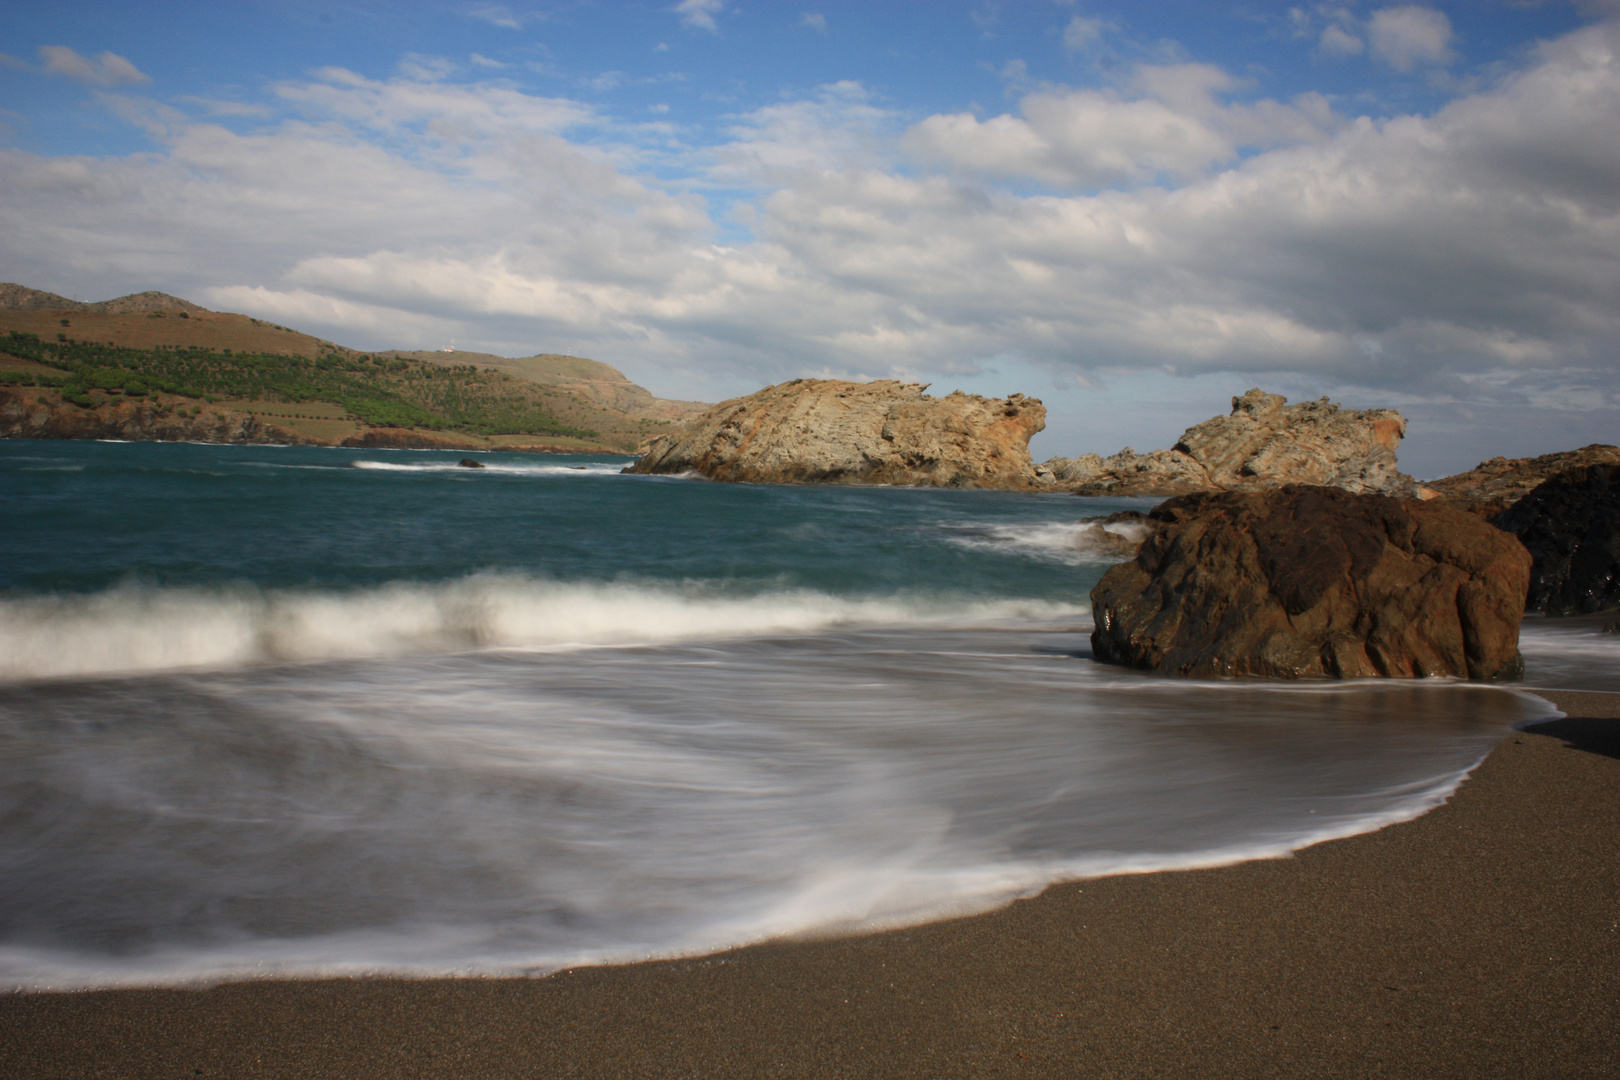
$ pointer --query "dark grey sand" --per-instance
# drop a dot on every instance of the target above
(1481, 940)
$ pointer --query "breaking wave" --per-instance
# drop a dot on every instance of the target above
(133, 628)
(1072, 543)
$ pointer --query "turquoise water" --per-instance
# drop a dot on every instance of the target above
(288, 711)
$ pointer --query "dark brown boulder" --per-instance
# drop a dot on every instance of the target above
(1571, 526)
(1315, 581)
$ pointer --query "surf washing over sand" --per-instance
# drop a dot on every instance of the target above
(267, 713)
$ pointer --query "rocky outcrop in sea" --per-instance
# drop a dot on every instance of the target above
(1263, 444)
(1571, 525)
(834, 432)
(1492, 486)
(1315, 581)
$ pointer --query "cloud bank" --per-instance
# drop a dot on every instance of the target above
(1167, 225)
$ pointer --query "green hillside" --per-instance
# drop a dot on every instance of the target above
(376, 390)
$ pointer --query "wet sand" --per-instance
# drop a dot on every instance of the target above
(1481, 940)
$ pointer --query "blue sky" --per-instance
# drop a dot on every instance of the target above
(1132, 211)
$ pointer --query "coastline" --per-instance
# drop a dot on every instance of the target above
(1478, 940)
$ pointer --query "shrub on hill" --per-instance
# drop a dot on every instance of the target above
(400, 393)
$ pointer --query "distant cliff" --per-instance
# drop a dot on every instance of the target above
(23, 415)
(835, 432)
(1264, 444)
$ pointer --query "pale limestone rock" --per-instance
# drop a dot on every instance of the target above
(1264, 444)
(831, 431)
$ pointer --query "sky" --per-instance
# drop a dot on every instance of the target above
(1132, 211)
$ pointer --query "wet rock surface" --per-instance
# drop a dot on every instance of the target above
(832, 431)
(1570, 524)
(1315, 581)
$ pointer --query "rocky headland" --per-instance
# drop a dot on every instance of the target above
(1263, 444)
(1492, 486)
(212, 376)
(1315, 581)
(836, 432)
(24, 416)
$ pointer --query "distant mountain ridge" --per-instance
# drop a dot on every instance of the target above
(14, 297)
(577, 394)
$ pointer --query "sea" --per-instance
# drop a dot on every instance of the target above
(277, 712)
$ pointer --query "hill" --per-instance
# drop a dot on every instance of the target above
(601, 383)
(251, 375)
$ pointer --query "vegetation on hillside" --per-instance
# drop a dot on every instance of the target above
(378, 390)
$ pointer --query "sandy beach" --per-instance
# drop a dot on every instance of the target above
(1481, 940)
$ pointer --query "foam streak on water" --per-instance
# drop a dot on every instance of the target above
(519, 811)
(266, 713)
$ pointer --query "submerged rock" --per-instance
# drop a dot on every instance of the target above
(834, 432)
(469, 463)
(1315, 581)
(1492, 486)
(1264, 444)
(1118, 534)
(1571, 526)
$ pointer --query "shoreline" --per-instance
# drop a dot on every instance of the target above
(1481, 939)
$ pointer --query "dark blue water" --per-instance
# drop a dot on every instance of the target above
(295, 711)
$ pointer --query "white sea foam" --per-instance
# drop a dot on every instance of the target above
(1575, 654)
(518, 812)
(1072, 543)
(134, 629)
(540, 468)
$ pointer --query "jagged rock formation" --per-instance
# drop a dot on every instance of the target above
(1492, 486)
(1571, 526)
(24, 416)
(1314, 581)
(831, 431)
(1264, 444)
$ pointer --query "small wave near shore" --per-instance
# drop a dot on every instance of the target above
(135, 629)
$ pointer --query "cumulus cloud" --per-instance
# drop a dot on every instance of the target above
(1468, 256)
(814, 21)
(1081, 32)
(1337, 41)
(1175, 127)
(108, 69)
(700, 13)
(1404, 37)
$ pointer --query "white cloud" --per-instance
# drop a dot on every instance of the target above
(1337, 41)
(1092, 138)
(1081, 32)
(814, 21)
(108, 69)
(1470, 256)
(700, 13)
(837, 129)
(1404, 37)
(497, 15)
